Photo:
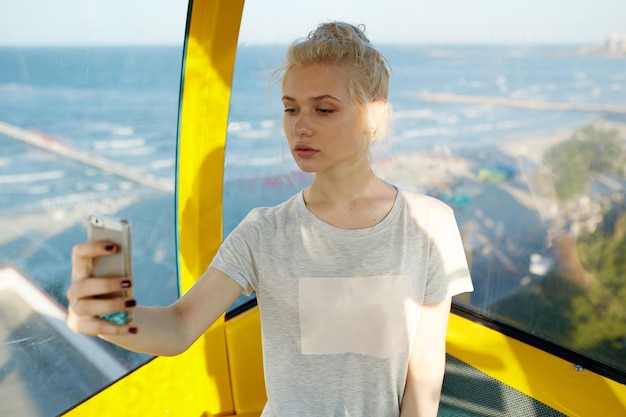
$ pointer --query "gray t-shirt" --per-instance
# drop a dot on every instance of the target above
(339, 308)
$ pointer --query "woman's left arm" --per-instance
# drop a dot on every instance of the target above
(427, 362)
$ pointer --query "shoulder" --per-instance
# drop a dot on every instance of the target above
(260, 223)
(421, 203)
(264, 216)
(428, 213)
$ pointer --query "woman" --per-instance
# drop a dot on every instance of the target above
(354, 277)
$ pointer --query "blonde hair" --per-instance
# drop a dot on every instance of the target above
(346, 46)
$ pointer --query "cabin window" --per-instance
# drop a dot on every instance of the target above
(519, 126)
(89, 97)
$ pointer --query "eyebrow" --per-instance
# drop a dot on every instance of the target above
(314, 99)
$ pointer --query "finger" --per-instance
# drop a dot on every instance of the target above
(93, 326)
(86, 288)
(83, 254)
(93, 307)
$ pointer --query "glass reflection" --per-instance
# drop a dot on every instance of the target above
(575, 292)
(83, 129)
(525, 142)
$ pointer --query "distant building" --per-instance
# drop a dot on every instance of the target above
(616, 44)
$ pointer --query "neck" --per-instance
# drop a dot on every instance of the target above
(345, 187)
(350, 202)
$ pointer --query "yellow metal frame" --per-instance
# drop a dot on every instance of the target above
(222, 373)
(538, 374)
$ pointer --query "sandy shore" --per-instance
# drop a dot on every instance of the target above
(504, 221)
(460, 173)
(421, 172)
(424, 171)
(534, 148)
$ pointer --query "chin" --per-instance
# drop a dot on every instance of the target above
(308, 170)
(306, 167)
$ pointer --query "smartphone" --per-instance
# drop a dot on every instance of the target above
(115, 230)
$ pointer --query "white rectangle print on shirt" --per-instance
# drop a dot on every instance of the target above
(372, 315)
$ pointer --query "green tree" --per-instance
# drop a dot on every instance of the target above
(598, 315)
(576, 162)
(587, 319)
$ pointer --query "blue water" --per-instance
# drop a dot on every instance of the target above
(122, 104)
(118, 103)
(255, 134)
(256, 145)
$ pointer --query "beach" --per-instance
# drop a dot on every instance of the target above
(505, 215)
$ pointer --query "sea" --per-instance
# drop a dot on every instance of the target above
(121, 105)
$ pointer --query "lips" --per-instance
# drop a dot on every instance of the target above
(304, 151)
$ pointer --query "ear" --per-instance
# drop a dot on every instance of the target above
(378, 118)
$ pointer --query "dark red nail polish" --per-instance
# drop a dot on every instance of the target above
(126, 284)
(130, 303)
(133, 330)
(109, 248)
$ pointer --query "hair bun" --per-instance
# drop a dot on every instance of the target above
(339, 30)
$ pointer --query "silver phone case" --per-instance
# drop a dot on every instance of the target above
(115, 230)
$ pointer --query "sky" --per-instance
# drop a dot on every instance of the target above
(162, 22)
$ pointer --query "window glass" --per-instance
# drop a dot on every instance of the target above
(88, 124)
(509, 112)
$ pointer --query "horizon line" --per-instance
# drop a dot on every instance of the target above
(286, 43)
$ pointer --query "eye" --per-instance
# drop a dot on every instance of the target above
(290, 110)
(324, 111)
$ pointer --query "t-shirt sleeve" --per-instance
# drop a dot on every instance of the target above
(448, 270)
(235, 256)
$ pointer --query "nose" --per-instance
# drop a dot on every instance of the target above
(302, 125)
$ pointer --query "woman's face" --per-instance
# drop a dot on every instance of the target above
(324, 126)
